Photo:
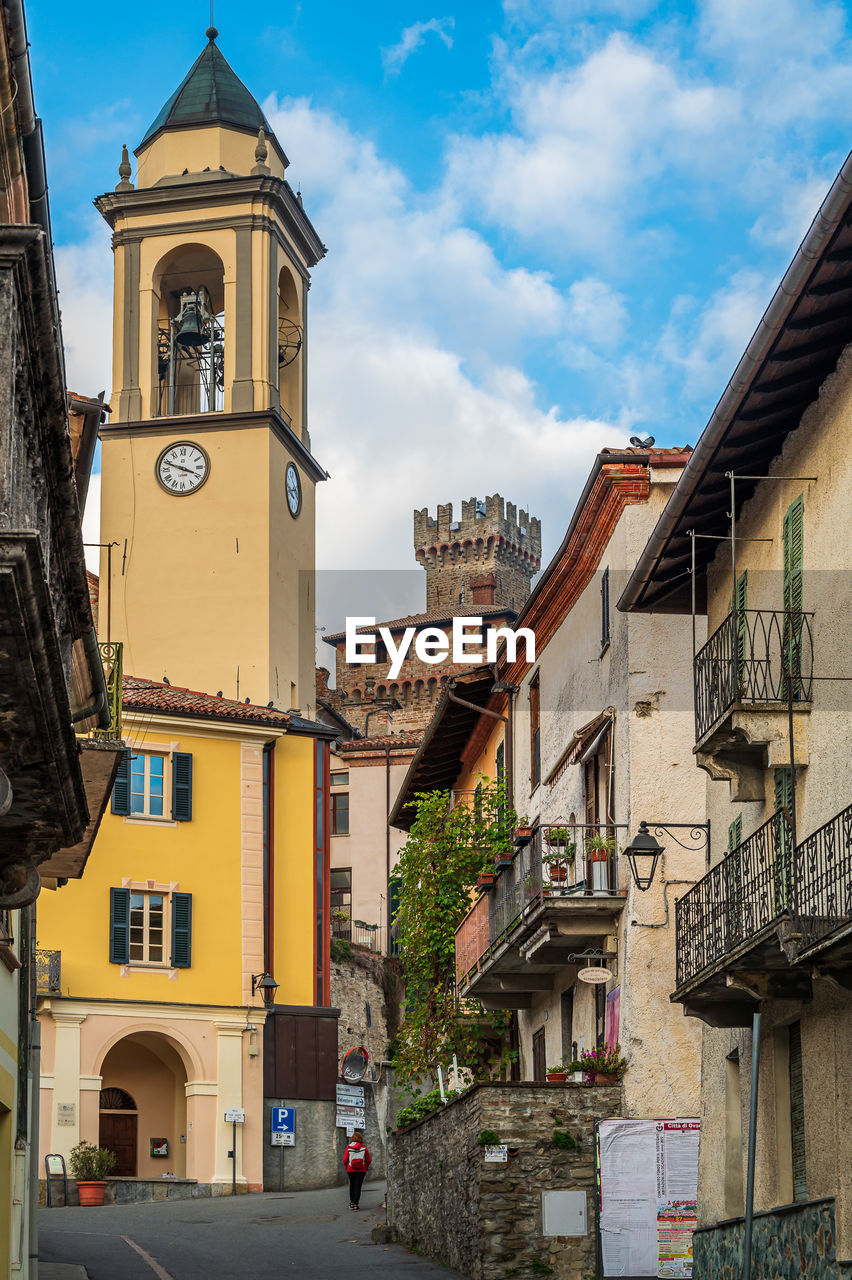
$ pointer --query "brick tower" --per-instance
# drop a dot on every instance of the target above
(487, 558)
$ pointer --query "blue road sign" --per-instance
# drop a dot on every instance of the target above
(283, 1119)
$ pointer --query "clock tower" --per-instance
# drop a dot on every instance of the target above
(208, 476)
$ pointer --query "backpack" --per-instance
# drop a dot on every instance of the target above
(357, 1159)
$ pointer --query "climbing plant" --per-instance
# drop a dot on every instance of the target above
(450, 844)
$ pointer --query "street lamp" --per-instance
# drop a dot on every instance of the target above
(643, 854)
(265, 984)
(644, 851)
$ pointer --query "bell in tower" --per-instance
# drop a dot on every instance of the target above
(213, 254)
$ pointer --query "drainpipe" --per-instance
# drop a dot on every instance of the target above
(752, 1143)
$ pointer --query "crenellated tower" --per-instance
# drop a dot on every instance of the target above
(489, 557)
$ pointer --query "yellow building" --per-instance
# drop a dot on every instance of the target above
(210, 874)
(202, 878)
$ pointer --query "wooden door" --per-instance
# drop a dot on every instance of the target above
(118, 1134)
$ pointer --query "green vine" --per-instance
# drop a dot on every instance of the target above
(449, 846)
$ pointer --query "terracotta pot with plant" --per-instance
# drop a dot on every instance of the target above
(604, 1065)
(89, 1167)
(557, 1074)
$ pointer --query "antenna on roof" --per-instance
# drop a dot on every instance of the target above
(211, 32)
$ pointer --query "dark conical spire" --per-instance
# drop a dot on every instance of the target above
(211, 93)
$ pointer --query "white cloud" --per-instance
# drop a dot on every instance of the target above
(412, 38)
(589, 143)
(705, 343)
(596, 313)
(84, 273)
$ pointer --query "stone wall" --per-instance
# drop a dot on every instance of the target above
(485, 1220)
(797, 1240)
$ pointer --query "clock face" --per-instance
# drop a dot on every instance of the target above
(294, 490)
(182, 467)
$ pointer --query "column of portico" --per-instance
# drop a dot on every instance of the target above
(66, 1081)
(230, 1094)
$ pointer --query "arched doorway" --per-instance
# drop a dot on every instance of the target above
(145, 1068)
(117, 1130)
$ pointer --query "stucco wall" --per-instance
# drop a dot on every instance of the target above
(819, 448)
(645, 675)
(485, 1219)
(365, 849)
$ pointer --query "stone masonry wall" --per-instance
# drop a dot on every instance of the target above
(485, 1220)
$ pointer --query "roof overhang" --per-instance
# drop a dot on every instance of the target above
(794, 349)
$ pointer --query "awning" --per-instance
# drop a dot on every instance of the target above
(584, 743)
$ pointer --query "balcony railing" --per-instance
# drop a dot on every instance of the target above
(744, 893)
(746, 660)
(824, 880)
(48, 971)
(370, 936)
(111, 657)
(540, 870)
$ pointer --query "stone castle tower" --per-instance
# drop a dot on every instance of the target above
(489, 557)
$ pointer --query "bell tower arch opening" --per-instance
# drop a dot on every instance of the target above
(290, 348)
(189, 296)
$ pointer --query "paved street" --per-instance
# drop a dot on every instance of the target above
(306, 1233)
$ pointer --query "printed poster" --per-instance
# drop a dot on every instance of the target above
(648, 1189)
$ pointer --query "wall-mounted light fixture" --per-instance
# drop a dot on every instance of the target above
(265, 984)
(644, 851)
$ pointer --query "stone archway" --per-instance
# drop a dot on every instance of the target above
(145, 1067)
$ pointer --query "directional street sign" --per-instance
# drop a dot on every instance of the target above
(283, 1119)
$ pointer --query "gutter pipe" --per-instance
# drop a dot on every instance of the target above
(832, 210)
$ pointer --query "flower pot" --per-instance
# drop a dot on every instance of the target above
(486, 882)
(502, 861)
(91, 1192)
(557, 1077)
(558, 873)
(604, 1077)
(523, 835)
(577, 1077)
(598, 855)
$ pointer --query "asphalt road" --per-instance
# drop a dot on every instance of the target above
(304, 1233)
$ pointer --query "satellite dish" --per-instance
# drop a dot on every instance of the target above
(354, 1065)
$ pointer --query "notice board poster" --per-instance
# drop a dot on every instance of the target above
(648, 1189)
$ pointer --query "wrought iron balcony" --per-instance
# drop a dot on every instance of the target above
(369, 936)
(746, 661)
(549, 896)
(824, 888)
(738, 899)
(48, 969)
(111, 657)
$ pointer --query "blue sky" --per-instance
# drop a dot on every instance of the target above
(551, 224)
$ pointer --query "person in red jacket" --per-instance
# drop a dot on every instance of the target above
(356, 1162)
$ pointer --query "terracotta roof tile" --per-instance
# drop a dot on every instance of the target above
(139, 694)
(412, 738)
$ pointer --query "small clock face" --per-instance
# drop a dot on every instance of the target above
(182, 467)
(294, 490)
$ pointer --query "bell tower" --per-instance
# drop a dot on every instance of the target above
(208, 480)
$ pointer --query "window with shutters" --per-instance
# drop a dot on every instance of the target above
(735, 833)
(793, 541)
(148, 785)
(152, 785)
(783, 868)
(150, 928)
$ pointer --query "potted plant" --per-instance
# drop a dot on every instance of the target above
(557, 1074)
(523, 832)
(576, 1072)
(89, 1166)
(503, 858)
(560, 838)
(599, 849)
(487, 880)
(604, 1065)
(560, 859)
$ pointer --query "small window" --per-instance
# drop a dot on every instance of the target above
(340, 813)
(147, 785)
(341, 902)
(340, 779)
(381, 653)
(539, 1061)
(535, 733)
(605, 619)
(147, 927)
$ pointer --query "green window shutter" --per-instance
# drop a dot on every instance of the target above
(181, 930)
(121, 788)
(119, 926)
(783, 867)
(783, 790)
(181, 786)
(735, 833)
(794, 554)
(739, 604)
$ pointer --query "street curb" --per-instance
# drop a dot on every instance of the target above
(61, 1271)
